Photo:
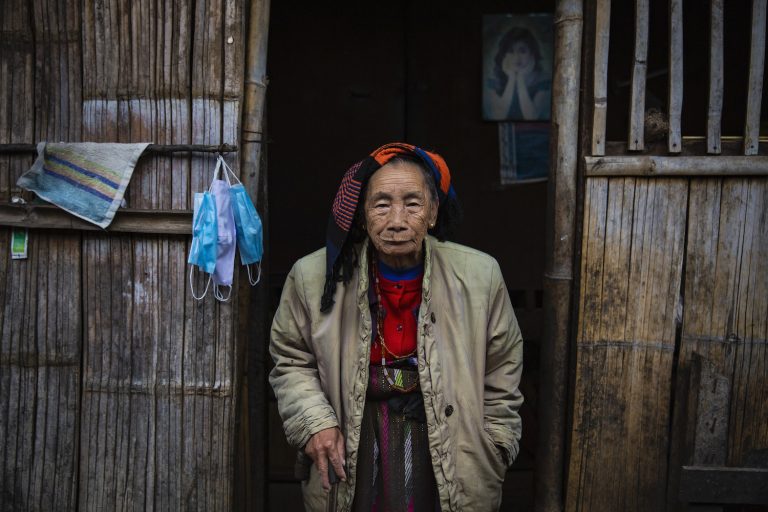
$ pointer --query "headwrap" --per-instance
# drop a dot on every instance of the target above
(348, 195)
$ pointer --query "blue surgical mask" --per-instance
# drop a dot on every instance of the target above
(202, 251)
(248, 226)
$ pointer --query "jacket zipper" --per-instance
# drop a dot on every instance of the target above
(332, 498)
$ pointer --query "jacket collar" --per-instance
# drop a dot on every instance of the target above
(363, 277)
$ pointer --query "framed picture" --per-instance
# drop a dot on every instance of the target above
(517, 67)
(523, 152)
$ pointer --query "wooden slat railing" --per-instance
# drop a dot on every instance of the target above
(675, 103)
(755, 91)
(600, 89)
(639, 70)
(715, 107)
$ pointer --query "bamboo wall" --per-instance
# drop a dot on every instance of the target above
(673, 260)
(118, 391)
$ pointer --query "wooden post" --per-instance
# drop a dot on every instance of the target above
(715, 77)
(254, 326)
(639, 69)
(599, 111)
(558, 276)
(755, 92)
(675, 100)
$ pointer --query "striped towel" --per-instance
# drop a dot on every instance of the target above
(87, 179)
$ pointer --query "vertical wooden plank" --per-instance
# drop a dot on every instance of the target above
(602, 38)
(755, 83)
(726, 296)
(39, 359)
(675, 97)
(159, 389)
(40, 320)
(639, 70)
(715, 108)
(17, 100)
(632, 259)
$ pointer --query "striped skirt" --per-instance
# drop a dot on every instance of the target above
(394, 468)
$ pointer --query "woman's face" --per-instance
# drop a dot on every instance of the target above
(398, 212)
(519, 58)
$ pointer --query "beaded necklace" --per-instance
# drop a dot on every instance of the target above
(380, 335)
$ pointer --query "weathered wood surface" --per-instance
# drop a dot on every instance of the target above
(172, 222)
(726, 299)
(675, 95)
(691, 146)
(251, 471)
(755, 83)
(17, 74)
(40, 302)
(743, 486)
(710, 392)
(715, 104)
(631, 269)
(40, 332)
(647, 165)
(159, 387)
(152, 148)
(118, 390)
(639, 70)
(600, 80)
(699, 426)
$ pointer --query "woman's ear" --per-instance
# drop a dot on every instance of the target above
(432, 218)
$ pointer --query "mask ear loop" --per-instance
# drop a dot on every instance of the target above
(250, 277)
(192, 287)
(220, 296)
(228, 168)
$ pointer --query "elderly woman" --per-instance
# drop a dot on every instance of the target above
(397, 353)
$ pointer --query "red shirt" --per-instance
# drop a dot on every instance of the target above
(401, 301)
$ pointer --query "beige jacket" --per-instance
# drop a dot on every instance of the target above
(470, 356)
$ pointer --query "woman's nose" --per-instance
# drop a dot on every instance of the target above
(397, 218)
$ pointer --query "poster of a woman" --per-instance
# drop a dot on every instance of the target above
(517, 67)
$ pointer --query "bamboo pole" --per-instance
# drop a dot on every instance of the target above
(715, 109)
(675, 98)
(127, 220)
(755, 92)
(253, 329)
(152, 148)
(645, 165)
(600, 88)
(558, 276)
(639, 69)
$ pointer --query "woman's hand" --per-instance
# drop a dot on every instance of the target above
(324, 447)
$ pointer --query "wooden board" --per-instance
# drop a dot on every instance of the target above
(40, 301)
(631, 269)
(755, 88)
(40, 331)
(639, 70)
(675, 95)
(715, 103)
(159, 388)
(726, 297)
(600, 94)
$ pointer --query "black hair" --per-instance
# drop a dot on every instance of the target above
(449, 216)
(506, 44)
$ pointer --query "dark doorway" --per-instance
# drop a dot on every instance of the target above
(346, 79)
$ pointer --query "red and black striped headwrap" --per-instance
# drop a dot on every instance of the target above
(348, 195)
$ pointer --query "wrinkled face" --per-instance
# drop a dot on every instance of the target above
(519, 58)
(398, 212)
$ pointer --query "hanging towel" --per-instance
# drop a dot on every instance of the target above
(87, 179)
